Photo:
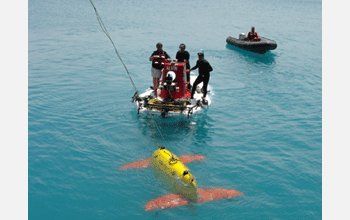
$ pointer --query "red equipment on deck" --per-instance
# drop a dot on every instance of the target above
(174, 82)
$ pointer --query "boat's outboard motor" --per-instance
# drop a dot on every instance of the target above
(242, 36)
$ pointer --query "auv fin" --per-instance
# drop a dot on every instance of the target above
(205, 195)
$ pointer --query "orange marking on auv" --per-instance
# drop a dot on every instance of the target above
(216, 194)
(205, 195)
(167, 201)
(137, 164)
(189, 158)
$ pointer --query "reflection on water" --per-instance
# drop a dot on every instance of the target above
(194, 131)
(267, 58)
(203, 134)
(165, 129)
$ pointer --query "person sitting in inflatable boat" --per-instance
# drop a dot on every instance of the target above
(253, 35)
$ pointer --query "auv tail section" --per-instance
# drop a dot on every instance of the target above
(167, 201)
(205, 195)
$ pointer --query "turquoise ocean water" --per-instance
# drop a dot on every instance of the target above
(261, 136)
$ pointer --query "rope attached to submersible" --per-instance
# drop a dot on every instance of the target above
(154, 136)
(116, 51)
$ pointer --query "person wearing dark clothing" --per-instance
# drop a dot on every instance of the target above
(156, 66)
(204, 70)
(182, 56)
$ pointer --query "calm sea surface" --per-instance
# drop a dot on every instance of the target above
(261, 136)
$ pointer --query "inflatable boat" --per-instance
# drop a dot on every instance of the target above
(173, 95)
(260, 45)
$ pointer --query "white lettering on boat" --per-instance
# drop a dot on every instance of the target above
(171, 68)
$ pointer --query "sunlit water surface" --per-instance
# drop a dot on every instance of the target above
(261, 135)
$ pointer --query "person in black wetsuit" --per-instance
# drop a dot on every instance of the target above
(182, 56)
(157, 67)
(204, 74)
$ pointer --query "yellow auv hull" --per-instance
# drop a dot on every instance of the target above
(174, 174)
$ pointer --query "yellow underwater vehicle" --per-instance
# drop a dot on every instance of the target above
(177, 178)
(173, 174)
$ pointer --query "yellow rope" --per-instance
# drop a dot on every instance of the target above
(154, 136)
(106, 32)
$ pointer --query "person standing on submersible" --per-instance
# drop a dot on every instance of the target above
(157, 67)
(204, 74)
(184, 56)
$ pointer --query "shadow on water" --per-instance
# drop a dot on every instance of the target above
(268, 58)
(173, 128)
(203, 134)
